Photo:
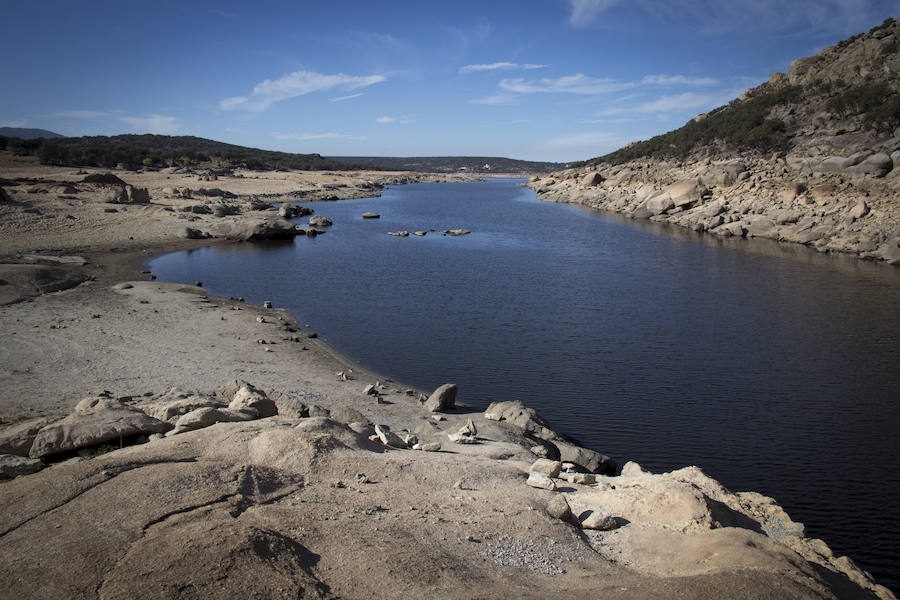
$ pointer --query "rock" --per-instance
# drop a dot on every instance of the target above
(598, 520)
(370, 390)
(95, 420)
(723, 174)
(759, 226)
(541, 451)
(12, 466)
(786, 216)
(550, 468)
(541, 481)
(462, 438)
(877, 165)
(859, 210)
(194, 234)
(421, 233)
(468, 428)
(4, 197)
(319, 221)
(591, 461)
(137, 195)
(713, 208)
(251, 400)
(517, 414)
(442, 399)
(389, 438)
(399, 233)
(559, 508)
(204, 417)
(592, 179)
(17, 438)
(251, 229)
(349, 415)
(581, 478)
(370, 215)
(317, 411)
(686, 193)
(457, 232)
(632, 469)
(430, 447)
(177, 402)
(410, 439)
(658, 203)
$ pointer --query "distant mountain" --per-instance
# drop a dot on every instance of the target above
(28, 134)
(451, 164)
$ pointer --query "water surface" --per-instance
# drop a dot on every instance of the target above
(772, 367)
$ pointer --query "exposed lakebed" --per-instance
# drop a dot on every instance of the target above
(772, 367)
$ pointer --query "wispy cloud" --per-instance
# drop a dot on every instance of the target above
(678, 80)
(570, 84)
(298, 83)
(19, 123)
(387, 119)
(499, 99)
(317, 136)
(160, 124)
(224, 14)
(81, 114)
(688, 101)
(506, 66)
(586, 12)
(342, 98)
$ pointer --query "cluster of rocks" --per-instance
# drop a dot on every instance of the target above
(103, 420)
(842, 204)
(424, 232)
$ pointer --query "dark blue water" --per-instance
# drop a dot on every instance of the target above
(772, 367)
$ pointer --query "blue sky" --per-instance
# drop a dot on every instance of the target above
(553, 80)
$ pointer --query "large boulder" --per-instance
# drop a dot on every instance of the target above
(592, 179)
(591, 461)
(723, 174)
(253, 401)
(177, 402)
(17, 439)
(443, 398)
(95, 420)
(12, 466)
(686, 193)
(517, 414)
(319, 221)
(252, 229)
(877, 165)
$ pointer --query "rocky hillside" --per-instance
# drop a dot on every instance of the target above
(806, 157)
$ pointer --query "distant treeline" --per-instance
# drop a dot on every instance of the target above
(451, 164)
(135, 151)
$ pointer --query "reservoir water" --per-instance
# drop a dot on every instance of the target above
(772, 367)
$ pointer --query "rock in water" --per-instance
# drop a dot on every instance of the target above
(442, 399)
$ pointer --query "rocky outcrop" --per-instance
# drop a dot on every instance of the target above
(95, 421)
(252, 229)
(833, 204)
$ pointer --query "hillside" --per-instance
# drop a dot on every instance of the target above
(807, 157)
(28, 134)
(451, 164)
(134, 151)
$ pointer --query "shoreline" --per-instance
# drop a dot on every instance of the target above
(455, 518)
